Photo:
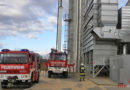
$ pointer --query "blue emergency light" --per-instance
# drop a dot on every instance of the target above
(24, 50)
(5, 50)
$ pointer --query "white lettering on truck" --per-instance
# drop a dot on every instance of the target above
(12, 67)
(58, 63)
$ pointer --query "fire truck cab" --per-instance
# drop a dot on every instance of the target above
(19, 67)
(58, 64)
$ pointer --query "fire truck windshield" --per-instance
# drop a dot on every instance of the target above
(58, 57)
(13, 58)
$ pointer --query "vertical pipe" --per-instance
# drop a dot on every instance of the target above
(93, 71)
(78, 32)
(125, 49)
(59, 25)
(60, 3)
(77, 37)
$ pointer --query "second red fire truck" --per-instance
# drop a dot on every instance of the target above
(19, 67)
(58, 63)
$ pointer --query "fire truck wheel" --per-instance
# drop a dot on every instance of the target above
(65, 74)
(4, 85)
(37, 81)
(31, 82)
(49, 74)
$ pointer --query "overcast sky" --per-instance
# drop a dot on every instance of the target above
(30, 24)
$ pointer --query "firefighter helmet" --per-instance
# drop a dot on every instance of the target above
(82, 64)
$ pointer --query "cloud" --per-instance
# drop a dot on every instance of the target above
(32, 36)
(26, 17)
(44, 54)
(50, 6)
(2, 45)
(52, 20)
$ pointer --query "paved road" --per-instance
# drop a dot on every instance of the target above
(71, 83)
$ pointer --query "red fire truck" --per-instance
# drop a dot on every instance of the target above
(19, 67)
(58, 63)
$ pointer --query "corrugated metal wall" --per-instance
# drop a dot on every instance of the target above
(120, 69)
(101, 14)
(119, 65)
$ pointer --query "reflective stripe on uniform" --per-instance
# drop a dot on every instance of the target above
(82, 73)
(82, 67)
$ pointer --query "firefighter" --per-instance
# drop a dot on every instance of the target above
(82, 72)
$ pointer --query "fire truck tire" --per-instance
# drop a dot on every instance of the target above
(37, 81)
(4, 85)
(49, 74)
(31, 82)
(65, 74)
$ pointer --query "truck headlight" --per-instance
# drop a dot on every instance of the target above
(64, 69)
(50, 69)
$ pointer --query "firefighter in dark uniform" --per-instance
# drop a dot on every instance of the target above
(82, 72)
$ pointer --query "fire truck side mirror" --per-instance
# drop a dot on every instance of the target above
(30, 59)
